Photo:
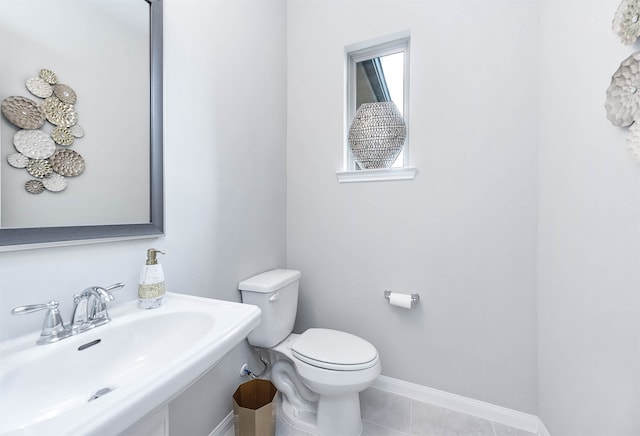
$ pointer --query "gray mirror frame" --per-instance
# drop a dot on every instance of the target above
(24, 238)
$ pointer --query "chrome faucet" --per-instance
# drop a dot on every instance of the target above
(53, 328)
(90, 307)
(89, 311)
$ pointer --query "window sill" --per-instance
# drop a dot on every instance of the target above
(377, 175)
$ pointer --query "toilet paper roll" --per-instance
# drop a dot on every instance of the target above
(400, 300)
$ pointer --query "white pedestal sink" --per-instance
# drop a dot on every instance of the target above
(127, 368)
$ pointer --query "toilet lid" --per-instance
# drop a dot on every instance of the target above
(332, 349)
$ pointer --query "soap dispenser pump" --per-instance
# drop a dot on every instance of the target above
(151, 289)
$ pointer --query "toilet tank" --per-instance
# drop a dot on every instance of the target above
(275, 292)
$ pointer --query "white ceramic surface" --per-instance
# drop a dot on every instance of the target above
(145, 356)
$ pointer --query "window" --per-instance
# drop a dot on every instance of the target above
(377, 71)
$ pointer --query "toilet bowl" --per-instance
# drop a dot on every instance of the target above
(328, 402)
(320, 372)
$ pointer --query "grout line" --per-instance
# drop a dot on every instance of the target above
(386, 427)
(458, 403)
(493, 427)
(411, 415)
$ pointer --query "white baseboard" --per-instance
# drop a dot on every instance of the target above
(488, 411)
(225, 427)
(542, 430)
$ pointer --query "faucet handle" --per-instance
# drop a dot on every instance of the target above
(53, 327)
(106, 294)
(24, 310)
(115, 287)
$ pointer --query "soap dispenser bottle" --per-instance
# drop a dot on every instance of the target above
(151, 288)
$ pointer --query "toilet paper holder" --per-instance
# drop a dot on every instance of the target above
(414, 297)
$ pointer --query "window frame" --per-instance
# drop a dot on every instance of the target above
(384, 46)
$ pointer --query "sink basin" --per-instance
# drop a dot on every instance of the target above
(105, 380)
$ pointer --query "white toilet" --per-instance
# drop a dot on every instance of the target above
(319, 372)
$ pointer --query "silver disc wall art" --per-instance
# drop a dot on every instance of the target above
(22, 112)
(626, 22)
(62, 136)
(39, 168)
(59, 113)
(67, 162)
(633, 141)
(623, 94)
(49, 76)
(34, 186)
(36, 149)
(35, 144)
(77, 131)
(54, 182)
(65, 93)
(39, 87)
(18, 160)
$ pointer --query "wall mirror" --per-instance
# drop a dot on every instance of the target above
(110, 53)
(378, 71)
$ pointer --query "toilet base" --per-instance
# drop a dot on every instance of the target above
(332, 416)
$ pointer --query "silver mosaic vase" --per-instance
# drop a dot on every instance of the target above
(377, 134)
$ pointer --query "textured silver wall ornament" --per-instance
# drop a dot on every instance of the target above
(626, 21)
(35, 144)
(77, 131)
(67, 162)
(55, 182)
(377, 134)
(34, 186)
(49, 76)
(58, 112)
(39, 168)
(22, 112)
(65, 93)
(62, 136)
(36, 149)
(39, 87)
(623, 94)
(18, 160)
(633, 141)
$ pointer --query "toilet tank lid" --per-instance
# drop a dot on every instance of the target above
(269, 281)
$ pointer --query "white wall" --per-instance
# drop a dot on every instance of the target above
(589, 231)
(225, 186)
(463, 233)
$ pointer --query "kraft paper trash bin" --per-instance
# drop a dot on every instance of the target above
(253, 410)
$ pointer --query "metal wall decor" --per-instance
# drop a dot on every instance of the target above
(623, 94)
(37, 150)
(377, 134)
(626, 22)
(633, 141)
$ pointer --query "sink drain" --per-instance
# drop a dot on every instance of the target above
(89, 344)
(100, 393)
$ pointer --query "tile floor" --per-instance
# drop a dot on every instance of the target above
(387, 414)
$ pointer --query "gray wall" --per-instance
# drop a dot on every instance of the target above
(589, 231)
(225, 186)
(521, 231)
(463, 233)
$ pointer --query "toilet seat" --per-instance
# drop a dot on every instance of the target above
(334, 350)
